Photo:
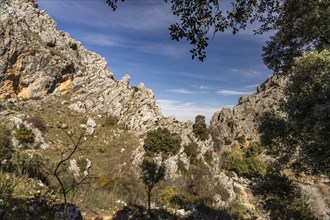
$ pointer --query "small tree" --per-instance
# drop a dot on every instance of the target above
(151, 175)
(162, 141)
(200, 128)
(58, 171)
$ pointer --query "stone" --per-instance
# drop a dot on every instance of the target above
(240, 124)
(90, 123)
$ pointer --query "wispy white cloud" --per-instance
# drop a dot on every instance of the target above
(202, 87)
(166, 49)
(233, 92)
(130, 15)
(181, 91)
(185, 110)
(217, 78)
(253, 86)
(246, 73)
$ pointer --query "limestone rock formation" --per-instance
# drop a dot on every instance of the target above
(37, 59)
(241, 123)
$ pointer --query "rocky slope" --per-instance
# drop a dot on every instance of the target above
(240, 124)
(37, 60)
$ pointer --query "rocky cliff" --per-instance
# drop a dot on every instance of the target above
(240, 124)
(38, 60)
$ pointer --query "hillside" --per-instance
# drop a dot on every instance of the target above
(68, 124)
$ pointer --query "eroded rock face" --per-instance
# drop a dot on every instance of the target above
(240, 124)
(37, 59)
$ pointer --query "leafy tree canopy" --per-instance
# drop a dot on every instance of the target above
(162, 141)
(308, 107)
(200, 128)
(299, 25)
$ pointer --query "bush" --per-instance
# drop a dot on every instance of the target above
(38, 123)
(162, 141)
(208, 157)
(168, 197)
(239, 162)
(8, 183)
(239, 210)
(110, 121)
(6, 149)
(200, 128)
(26, 164)
(191, 150)
(182, 167)
(281, 197)
(254, 149)
(24, 134)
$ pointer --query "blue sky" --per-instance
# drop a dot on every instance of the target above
(135, 40)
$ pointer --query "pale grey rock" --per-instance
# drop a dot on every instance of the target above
(74, 168)
(240, 124)
(90, 122)
(316, 201)
(181, 212)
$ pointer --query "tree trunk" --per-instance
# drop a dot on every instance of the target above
(149, 199)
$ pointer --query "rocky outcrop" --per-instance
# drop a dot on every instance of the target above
(240, 124)
(37, 60)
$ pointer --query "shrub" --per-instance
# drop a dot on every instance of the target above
(24, 134)
(182, 167)
(249, 167)
(191, 150)
(8, 183)
(38, 123)
(110, 121)
(6, 148)
(26, 164)
(282, 197)
(239, 210)
(208, 157)
(200, 128)
(168, 197)
(162, 141)
(254, 149)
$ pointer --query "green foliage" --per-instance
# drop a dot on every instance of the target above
(24, 134)
(82, 163)
(254, 149)
(162, 141)
(208, 157)
(110, 121)
(308, 108)
(151, 172)
(7, 185)
(182, 167)
(25, 163)
(297, 32)
(151, 175)
(168, 197)
(191, 150)
(239, 210)
(38, 122)
(281, 197)
(271, 127)
(200, 128)
(245, 162)
(294, 27)
(6, 149)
